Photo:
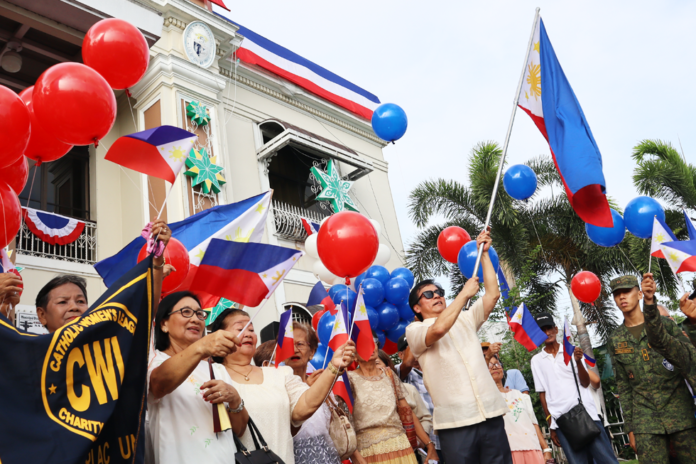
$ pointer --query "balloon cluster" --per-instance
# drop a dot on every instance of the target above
(386, 300)
(70, 104)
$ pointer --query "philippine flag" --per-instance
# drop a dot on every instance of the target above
(590, 361)
(309, 226)
(258, 51)
(546, 96)
(681, 255)
(689, 227)
(247, 273)
(361, 332)
(568, 348)
(286, 339)
(525, 328)
(319, 296)
(52, 228)
(243, 221)
(159, 152)
(661, 234)
(342, 388)
(339, 333)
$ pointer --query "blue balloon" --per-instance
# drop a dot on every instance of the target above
(608, 236)
(405, 312)
(358, 280)
(318, 360)
(388, 316)
(347, 295)
(335, 289)
(640, 215)
(380, 273)
(520, 182)
(373, 291)
(373, 316)
(325, 326)
(396, 291)
(382, 339)
(398, 330)
(467, 259)
(405, 274)
(389, 122)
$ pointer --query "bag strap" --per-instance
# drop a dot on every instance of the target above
(572, 366)
(254, 433)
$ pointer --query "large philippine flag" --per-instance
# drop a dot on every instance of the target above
(342, 388)
(681, 255)
(361, 332)
(257, 50)
(339, 333)
(661, 234)
(319, 296)
(159, 152)
(52, 228)
(525, 328)
(243, 221)
(546, 96)
(286, 339)
(247, 273)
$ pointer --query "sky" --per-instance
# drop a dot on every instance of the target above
(454, 66)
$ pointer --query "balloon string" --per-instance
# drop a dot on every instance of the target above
(630, 262)
(130, 105)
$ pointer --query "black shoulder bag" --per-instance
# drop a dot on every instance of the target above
(261, 455)
(577, 425)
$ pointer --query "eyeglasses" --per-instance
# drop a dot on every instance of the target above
(430, 294)
(188, 313)
(495, 366)
(301, 345)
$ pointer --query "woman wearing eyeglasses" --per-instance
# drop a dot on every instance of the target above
(180, 390)
(521, 426)
(312, 443)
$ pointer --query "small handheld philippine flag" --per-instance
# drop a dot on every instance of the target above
(525, 328)
(339, 334)
(661, 234)
(286, 339)
(342, 388)
(568, 348)
(361, 330)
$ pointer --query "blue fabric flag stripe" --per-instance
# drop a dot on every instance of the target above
(251, 257)
(295, 58)
(317, 295)
(161, 135)
(686, 246)
(689, 227)
(53, 221)
(283, 324)
(504, 287)
(531, 328)
(569, 134)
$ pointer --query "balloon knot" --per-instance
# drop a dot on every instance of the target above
(347, 280)
(96, 142)
(128, 94)
(38, 163)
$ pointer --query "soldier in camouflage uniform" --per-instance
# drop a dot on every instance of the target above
(688, 307)
(657, 405)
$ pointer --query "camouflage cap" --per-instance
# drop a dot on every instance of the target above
(627, 282)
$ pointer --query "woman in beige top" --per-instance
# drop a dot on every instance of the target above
(381, 436)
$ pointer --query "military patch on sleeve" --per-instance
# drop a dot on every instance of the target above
(668, 365)
(630, 375)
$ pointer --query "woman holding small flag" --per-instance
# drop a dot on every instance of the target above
(274, 396)
(381, 435)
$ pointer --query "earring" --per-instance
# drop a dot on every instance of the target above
(165, 331)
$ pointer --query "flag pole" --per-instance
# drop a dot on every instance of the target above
(352, 324)
(270, 361)
(340, 310)
(263, 303)
(165, 201)
(505, 146)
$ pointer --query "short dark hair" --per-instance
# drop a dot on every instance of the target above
(414, 297)
(164, 311)
(219, 323)
(264, 352)
(42, 296)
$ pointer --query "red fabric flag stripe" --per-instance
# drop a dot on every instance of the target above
(140, 156)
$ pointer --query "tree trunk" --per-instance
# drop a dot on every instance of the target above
(585, 342)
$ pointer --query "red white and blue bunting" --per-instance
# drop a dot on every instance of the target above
(52, 228)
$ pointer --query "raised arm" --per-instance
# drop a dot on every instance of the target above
(448, 317)
(490, 277)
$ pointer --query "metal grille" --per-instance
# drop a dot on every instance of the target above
(287, 220)
(83, 250)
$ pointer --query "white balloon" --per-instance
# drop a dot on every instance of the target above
(322, 273)
(383, 255)
(323, 221)
(311, 246)
(377, 227)
(339, 280)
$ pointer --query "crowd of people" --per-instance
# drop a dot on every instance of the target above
(448, 400)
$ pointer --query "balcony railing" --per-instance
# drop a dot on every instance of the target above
(83, 250)
(287, 220)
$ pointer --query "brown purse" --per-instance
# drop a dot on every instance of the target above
(341, 432)
(405, 414)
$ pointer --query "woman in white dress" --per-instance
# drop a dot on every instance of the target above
(275, 397)
(312, 444)
(181, 394)
(521, 427)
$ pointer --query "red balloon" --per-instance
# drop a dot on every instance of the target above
(450, 241)
(347, 244)
(316, 317)
(10, 215)
(586, 286)
(175, 254)
(43, 147)
(15, 128)
(16, 174)
(118, 51)
(74, 103)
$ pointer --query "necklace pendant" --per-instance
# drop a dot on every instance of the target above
(246, 378)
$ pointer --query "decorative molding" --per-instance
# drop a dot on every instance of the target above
(171, 21)
(278, 95)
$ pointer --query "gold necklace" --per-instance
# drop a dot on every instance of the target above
(246, 376)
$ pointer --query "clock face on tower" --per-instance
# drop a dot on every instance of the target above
(199, 44)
